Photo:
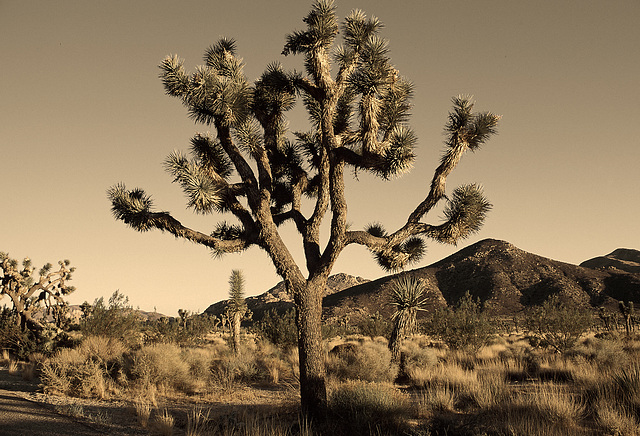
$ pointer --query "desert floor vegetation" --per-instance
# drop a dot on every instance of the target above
(507, 387)
(163, 379)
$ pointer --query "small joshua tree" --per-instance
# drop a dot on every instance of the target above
(407, 295)
(236, 306)
(28, 295)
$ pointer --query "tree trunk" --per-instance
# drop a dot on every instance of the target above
(235, 319)
(313, 392)
(394, 343)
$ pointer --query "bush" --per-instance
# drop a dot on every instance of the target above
(117, 320)
(374, 326)
(232, 368)
(279, 329)
(558, 325)
(464, 327)
(85, 371)
(416, 358)
(369, 361)
(369, 408)
(160, 365)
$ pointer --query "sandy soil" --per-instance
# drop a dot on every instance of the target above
(26, 410)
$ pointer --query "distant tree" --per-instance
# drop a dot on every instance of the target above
(358, 109)
(29, 293)
(407, 296)
(236, 306)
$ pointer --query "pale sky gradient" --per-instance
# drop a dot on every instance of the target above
(82, 108)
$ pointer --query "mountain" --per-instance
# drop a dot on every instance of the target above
(277, 298)
(623, 259)
(505, 278)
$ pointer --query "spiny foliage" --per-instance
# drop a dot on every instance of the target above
(236, 301)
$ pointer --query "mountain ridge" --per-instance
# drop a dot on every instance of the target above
(503, 277)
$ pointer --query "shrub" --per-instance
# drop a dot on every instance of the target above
(231, 368)
(160, 365)
(463, 327)
(369, 408)
(85, 371)
(558, 325)
(415, 356)
(369, 361)
(279, 329)
(70, 372)
(374, 326)
(117, 320)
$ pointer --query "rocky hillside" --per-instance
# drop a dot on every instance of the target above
(277, 298)
(622, 259)
(505, 278)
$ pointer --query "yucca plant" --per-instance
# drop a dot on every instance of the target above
(407, 295)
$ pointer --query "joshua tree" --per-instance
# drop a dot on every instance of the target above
(358, 120)
(407, 295)
(27, 294)
(236, 306)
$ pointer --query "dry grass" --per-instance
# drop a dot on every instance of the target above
(143, 411)
(507, 388)
(14, 367)
(365, 360)
(163, 423)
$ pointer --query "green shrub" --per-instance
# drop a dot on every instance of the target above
(362, 408)
(463, 327)
(117, 320)
(279, 329)
(558, 325)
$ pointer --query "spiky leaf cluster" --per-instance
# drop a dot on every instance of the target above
(322, 28)
(217, 90)
(465, 127)
(399, 256)
(236, 301)
(464, 214)
(407, 296)
(131, 206)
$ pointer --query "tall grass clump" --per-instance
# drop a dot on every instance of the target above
(85, 371)
(361, 408)
(369, 361)
(160, 365)
(230, 368)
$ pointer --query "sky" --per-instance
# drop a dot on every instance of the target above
(82, 108)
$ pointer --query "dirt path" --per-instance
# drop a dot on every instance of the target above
(24, 410)
(19, 417)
